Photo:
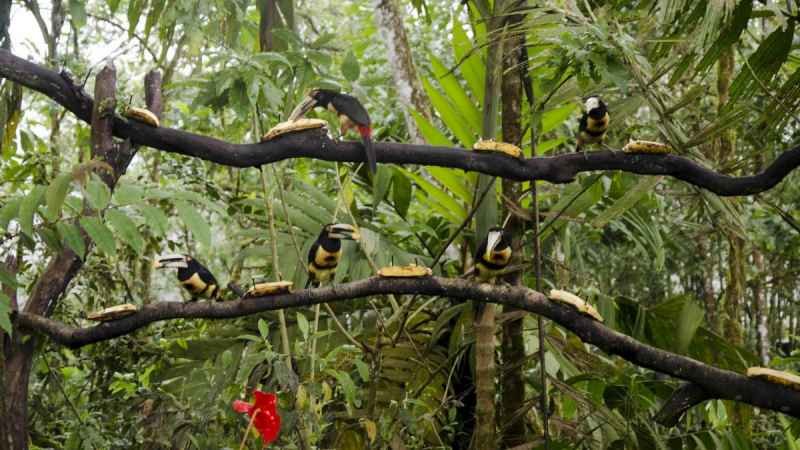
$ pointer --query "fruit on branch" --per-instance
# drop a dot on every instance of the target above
(142, 115)
(293, 126)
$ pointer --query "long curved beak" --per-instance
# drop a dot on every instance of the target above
(300, 110)
(170, 262)
(345, 231)
(492, 240)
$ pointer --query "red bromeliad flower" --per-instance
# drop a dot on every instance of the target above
(267, 420)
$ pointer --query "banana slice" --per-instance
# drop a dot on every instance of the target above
(651, 147)
(775, 376)
(113, 313)
(293, 127)
(409, 271)
(576, 302)
(271, 288)
(490, 145)
(142, 115)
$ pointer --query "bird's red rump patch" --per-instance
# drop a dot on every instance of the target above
(365, 131)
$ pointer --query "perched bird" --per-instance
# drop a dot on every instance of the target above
(351, 112)
(594, 122)
(326, 251)
(493, 254)
(194, 277)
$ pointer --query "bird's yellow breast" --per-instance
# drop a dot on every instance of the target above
(197, 286)
(326, 259)
(597, 125)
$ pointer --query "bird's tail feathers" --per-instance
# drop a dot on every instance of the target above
(366, 138)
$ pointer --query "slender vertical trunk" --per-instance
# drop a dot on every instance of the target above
(486, 217)
(155, 103)
(409, 89)
(513, 409)
(269, 19)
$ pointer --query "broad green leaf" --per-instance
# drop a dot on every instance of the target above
(56, 193)
(454, 180)
(456, 94)
(401, 193)
(126, 194)
(381, 185)
(195, 222)
(5, 313)
(77, 11)
(304, 204)
(302, 323)
(557, 116)
(690, 319)
(28, 208)
(451, 118)
(363, 369)
(155, 219)
(97, 193)
(135, 8)
(430, 133)
(644, 186)
(9, 211)
(457, 211)
(113, 5)
(154, 15)
(350, 68)
(764, 63)
(263, 329)
(126, 229)
(469, 59)
(71, 236)
(100, 234)
(8, 279)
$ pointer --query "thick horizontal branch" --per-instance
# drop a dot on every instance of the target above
(716, 383)
(316, 144)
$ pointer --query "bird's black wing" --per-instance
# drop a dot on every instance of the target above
(206, 275)
(583, 124)
(312, 253)
(352, 108)
(480, 251)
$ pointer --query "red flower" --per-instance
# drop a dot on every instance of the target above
(267, 420)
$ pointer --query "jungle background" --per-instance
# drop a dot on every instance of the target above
(667, 263)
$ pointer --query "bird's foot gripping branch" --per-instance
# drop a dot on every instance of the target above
(709, 381)
(316, 144)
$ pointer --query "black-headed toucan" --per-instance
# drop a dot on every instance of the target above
(194, 277)
(352, 115)
(326, 251)
(593, 123)
(493, 254)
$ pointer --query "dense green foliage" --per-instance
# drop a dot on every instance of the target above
(652, 253)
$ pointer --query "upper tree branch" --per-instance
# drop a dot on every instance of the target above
(716, 383)
(315, 144)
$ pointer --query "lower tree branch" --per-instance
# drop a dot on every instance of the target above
(685, 397)
(715, 382)
(316, 144)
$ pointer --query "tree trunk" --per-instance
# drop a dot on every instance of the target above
(513, 409)
(486, 217)
(762, 328)
(408, 86)
(18, 351)
(269, 19)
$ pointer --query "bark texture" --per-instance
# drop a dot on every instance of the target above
(315, 144)
(512, 410)
(409, 88)
(718, 383)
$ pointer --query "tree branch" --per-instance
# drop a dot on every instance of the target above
(685, 397)
(716, 383)
(316, 144)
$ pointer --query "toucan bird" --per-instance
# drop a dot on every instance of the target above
(493, 254)
(194, 277)
(352, 115)
(593, 123)
(326, 251)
